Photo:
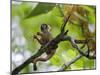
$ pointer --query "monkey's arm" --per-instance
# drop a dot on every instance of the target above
(36, 37)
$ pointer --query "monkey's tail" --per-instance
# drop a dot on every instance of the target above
(34, 67)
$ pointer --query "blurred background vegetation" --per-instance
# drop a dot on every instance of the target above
(26, 20)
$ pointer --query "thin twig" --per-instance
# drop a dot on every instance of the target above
(63, 68)
(80, 51)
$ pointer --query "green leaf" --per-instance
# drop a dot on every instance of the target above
(26, 69)
(89, 8)
(78, 65)
(22, 10)
(89, 64)
(75, 31)
(71, 53)
(41, 8)
(91, 18)
(56, 60)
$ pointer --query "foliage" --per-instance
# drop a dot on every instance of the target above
(32, 15)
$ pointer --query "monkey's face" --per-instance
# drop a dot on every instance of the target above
(44, 27)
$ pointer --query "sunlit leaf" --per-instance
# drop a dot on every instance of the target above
(41, 8)
(56, 60)
(89, 63)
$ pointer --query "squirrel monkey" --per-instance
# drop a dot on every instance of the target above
(45, 37)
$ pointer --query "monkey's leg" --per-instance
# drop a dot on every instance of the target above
(41, 59)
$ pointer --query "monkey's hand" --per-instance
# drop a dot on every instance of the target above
(34, 37)
(38, 33)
